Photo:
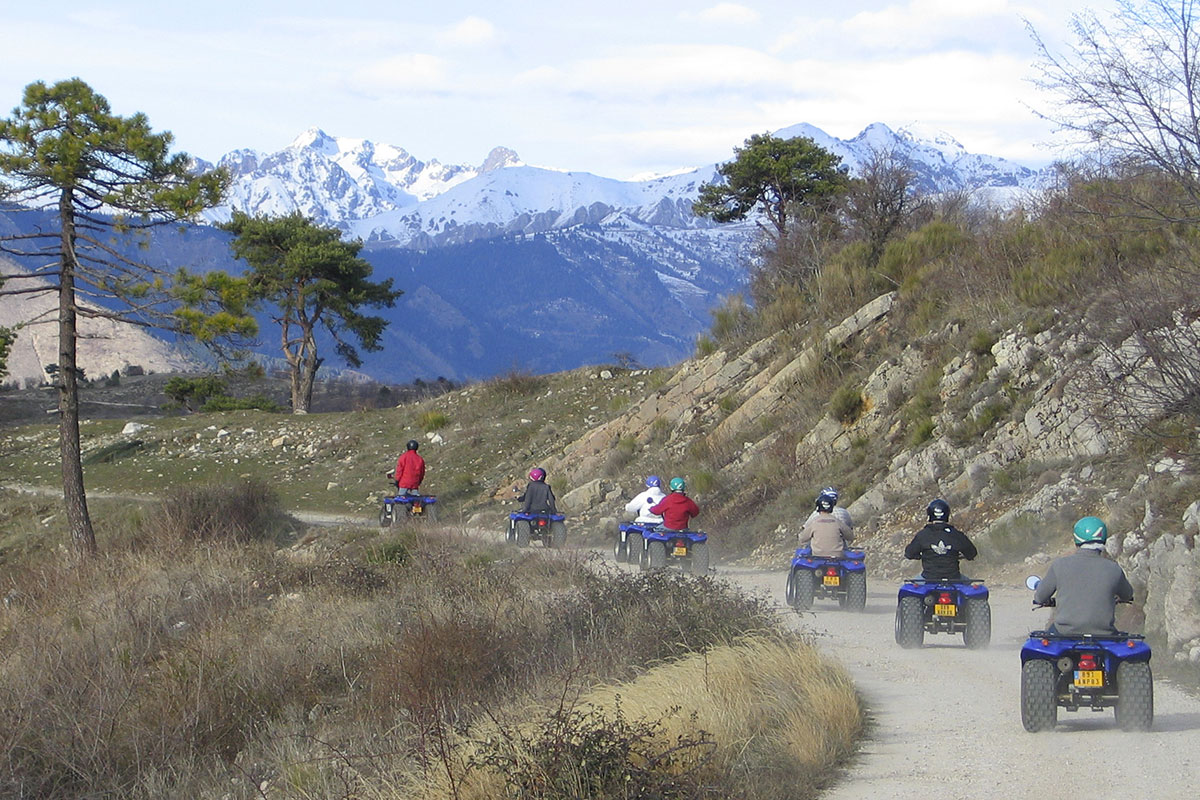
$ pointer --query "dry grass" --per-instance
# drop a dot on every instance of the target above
(767, 717)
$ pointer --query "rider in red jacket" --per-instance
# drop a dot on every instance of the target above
(676, 508)
(410, 469)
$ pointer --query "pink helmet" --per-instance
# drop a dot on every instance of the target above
(537, 474)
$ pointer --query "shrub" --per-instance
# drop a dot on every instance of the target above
(256, 402)
(982, 342)
(846, 405)
(236, 512)
(432, 420)
(705, 346)
(517, 383)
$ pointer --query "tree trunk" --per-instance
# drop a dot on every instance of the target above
(74, 496)
(304, 374)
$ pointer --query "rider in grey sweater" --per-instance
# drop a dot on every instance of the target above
(1085, 585)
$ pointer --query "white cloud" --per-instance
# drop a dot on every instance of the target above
(470, 32)
(417, 71)
(729, 13)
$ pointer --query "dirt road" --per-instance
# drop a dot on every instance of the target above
(946, 721)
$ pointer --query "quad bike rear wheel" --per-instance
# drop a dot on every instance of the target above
(1135, 698)
(789, 591)
(804, 588)
(522, 532)
(910, 623)
(978, 632)
(700, 557)
(620, 549)
(656, 555)
(856, 591)
(385, 516)
(635, 549)
(558, 534)
(1039, 706)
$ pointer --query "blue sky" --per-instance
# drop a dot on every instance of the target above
(617, 88)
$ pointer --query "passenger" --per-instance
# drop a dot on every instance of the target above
(838, 511)
(1085, 585)
(538, 497)
(827, 534)
(640, 505)
(940, 545)
(676, 508)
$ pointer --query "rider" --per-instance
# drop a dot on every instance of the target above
(940, 545)
(838, 511)
(410, 469)
(640, 505)
(827, 534)
(538, 497)
(676, 508)
(1088, 585)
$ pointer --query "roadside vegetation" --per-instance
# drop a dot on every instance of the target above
(215, 651)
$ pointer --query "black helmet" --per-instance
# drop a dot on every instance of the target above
(938, 511)
(413, 444)
(826, 500)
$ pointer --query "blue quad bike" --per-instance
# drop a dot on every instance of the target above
(843, 579)
(943, 607)
(630, 541)
(549, 529)
(1085, 671)
(661, 547)
(408, 506)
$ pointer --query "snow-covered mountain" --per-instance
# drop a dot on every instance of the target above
(383, 194)
(506, 265)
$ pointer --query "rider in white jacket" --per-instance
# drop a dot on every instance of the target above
(640, 505)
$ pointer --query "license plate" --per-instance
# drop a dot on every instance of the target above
(945, 609)
(680, 550)
(416, 509)
(832, 580)
(1092, 678)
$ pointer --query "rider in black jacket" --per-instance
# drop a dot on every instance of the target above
(940, 545)
(538, 497)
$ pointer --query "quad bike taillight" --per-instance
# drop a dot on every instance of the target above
(1087, 661)
(831, 571)
(945, 598)
(541, 523)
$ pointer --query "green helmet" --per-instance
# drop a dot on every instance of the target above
(1089, 530)
(678, 485)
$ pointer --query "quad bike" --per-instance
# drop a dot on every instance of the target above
(631, 541)
(843, 579)
(549, 529)
(661, 546)
(1085, 671)
(408, 506)
(959, 606)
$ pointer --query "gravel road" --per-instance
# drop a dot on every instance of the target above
(946, 721)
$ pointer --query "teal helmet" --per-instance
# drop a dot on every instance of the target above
(1091, 530)
(678, 485)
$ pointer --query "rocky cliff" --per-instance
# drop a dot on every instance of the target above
(1016, 437)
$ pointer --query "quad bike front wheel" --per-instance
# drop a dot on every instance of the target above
(1039, 706)
(910, 623)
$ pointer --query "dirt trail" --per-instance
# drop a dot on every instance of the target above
(946, 721)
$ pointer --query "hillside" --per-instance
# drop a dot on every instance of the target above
(1002, 428)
